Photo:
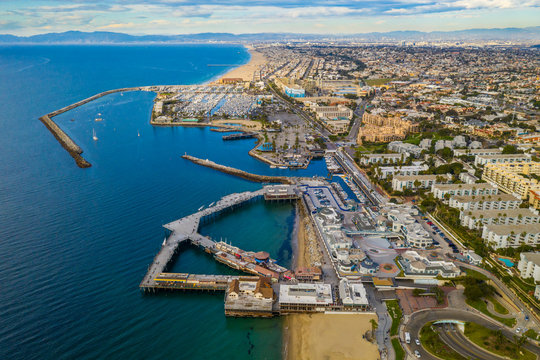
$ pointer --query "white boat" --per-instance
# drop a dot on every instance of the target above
(212, 204)
(272, 166)
(283, 167)
(200, 208)
(94, 136)
(138, 133)
(98, 119)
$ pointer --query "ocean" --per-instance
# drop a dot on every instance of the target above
(75, 243)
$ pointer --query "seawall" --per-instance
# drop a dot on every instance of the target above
(240, 173)
(67, 143)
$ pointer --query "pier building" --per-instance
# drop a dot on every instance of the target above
(248, 296)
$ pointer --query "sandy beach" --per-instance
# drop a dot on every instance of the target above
(309, 252)
(330, 336)
(246, 71)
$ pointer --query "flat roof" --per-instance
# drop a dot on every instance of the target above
(532, 257)
(486, 214)
(483, 198)
(504, 156)
(464, 186)
(416, 177)
(513, 228)
(306, 294)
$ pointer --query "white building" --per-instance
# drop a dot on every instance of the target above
(473, 258)
(484, 202)
(414, 263)
(405, 148)
(477, 219)
(468, 178)
(402, 182)
(537, 292)
(503, 236)
(529, 265)
(402, 221)
(367, 159)
(305, 297)
(386, 171)
(481, 160)
(441, 190)
(353, 294)
(474, 152)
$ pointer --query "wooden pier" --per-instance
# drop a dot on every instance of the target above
(239, 136)
(185, 230)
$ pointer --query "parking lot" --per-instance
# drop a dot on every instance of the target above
(439, 237)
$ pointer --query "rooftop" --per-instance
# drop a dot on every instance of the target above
(514, 229)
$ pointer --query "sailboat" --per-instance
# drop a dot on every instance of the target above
(138, 133)
(94, 136)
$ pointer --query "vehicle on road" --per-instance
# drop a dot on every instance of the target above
(417, 342)
(417, 353)
(407, 337)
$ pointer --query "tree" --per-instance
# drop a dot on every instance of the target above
(511, 149)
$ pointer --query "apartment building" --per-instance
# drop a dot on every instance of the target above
(513, 178)
(477, 219)
(481, 160)
(475, 152)
(402, 182)
(367, 159)
(405, 148)
(503, 236)
(386, 171)
(333, 112)
(484, 202)
(441, 190)
(529, 265)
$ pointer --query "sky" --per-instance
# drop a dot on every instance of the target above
(29, 17)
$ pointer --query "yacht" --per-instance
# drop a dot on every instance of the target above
(94, 136)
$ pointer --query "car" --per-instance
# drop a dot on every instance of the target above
(417, 353)
(417, 342)
(518, 330)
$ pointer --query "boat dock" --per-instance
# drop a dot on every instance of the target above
(186, 230)
(239, 136)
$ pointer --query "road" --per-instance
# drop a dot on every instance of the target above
(454, 338)
(532, 322)
(384, 322)
(359, 112)
(420, 318)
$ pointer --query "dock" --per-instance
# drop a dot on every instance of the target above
(185, 230)
(239, 136)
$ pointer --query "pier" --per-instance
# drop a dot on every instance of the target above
(240, 173)
(185, 230)
(67, 143)
(239, 136)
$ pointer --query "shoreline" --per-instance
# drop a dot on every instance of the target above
(246, 71)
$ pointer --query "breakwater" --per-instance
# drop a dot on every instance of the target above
(67, 143)
(240, 173)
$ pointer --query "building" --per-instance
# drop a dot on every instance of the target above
(353, 294)
(386, 171)
(337, 126)
(440, 191)
(378, 128)
(475, 152)
(308, 274)
(295, 91)
(249, 297)
(477, 219)
(484, 202)
(533, 138)
(402, 182)
(333, 112)
(473, 258)
(367, 159)
(529, 265)
(516, 178)
(468, 178)
(534, 198)
(503, 236)
(405, 148)
(304, 297)
(281, 192)
(402, 221)
(433, 265)
(481, 160)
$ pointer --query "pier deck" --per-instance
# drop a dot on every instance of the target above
(186, 229)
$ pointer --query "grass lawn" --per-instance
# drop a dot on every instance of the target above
(433, 343)
(475, 274)
(481, 306)
(532, 334)
(488, 340)
(400, 353)
(498, 306)
(395, 313)
(377, 82)
(371, 147)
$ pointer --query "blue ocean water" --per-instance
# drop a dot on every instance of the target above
(75, 243)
